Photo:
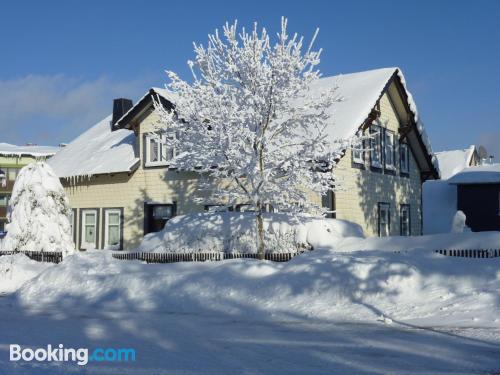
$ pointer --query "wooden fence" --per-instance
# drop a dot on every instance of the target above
(39, 256)
(470, 253)
(199, 257)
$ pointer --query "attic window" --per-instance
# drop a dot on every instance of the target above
(376, 146)
(157, 152)
(404, 156)
(390, 163)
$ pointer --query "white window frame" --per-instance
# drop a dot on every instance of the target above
(108, 211)
(405, 207)
(382, 206)
(376, 146)
(403, 149)
(87, 245)
(163, 150)
(358, 152)
(72, 222)
(389, 150)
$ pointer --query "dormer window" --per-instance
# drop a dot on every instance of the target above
(157, 151)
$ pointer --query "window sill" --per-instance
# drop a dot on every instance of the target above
(155, 164)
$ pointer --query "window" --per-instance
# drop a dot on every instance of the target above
(113, 228)
(89, 228)
(2, 226)
(384, 219)
(4, 200)
(376, 146)
(499, 203)
(328, 203)
(358, 155)
(157, 152)
(156, 215)
(404, 158)
(389, 150)
(404, 213)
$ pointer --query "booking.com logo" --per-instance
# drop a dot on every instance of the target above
(80, 356)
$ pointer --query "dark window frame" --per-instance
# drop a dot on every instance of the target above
(406, 147)
(379, 205)
(401, 207)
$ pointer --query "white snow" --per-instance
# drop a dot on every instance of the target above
(481, 174)
(38, 212)
(16, 269)
(453, 161)
(439, 200)
(97, 151)
(458, 225)
(7, 149)
(361, 309)
(236, 232)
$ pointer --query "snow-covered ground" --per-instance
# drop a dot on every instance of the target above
(343, 311)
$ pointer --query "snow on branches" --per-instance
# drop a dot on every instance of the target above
(248, 118)
(39, 212)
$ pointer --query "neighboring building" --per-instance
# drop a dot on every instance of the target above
(120, 186)
(12, 159)
(453, 161)
(478, 196)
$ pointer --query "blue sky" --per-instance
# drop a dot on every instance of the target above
(63, 62)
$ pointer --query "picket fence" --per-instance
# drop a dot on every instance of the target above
(200, 257)
(470, 253)
(39, 256)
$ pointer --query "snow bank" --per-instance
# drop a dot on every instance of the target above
(38, 212)
(439, 200)
(418, 287)
(16, 269)
(235, 232)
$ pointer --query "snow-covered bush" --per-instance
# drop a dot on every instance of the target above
(38, 212)
(236, 232)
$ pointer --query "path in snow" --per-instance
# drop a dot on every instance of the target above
(201, 344)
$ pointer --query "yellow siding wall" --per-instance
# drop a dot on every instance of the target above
(362, 189)
(131, 191)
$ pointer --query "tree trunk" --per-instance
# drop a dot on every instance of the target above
(260, 234)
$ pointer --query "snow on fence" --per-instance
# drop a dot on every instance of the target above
(39, 256)
(470, 253)
(200, 257)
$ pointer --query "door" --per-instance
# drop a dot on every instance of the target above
(89, 229)
(156, 216)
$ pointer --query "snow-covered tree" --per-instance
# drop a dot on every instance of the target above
(248, 121)
(38, 212)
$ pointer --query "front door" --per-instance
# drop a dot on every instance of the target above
(156, 216)
(89, 229)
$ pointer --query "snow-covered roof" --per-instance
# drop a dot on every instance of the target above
(453, 161)
(7, 149)
(360, 92)
(481, 174)
(97, 151)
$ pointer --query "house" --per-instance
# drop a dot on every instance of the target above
(12, 159)
(120, 186)
(478, 196)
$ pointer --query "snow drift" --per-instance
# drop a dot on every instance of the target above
(236, 232)
(38, 212)
(416, 286)
(16, 269)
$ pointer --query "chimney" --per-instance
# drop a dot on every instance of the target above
(120, 107)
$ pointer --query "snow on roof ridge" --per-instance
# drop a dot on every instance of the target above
(478, 174)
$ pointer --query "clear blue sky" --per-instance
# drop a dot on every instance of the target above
(63, 62)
